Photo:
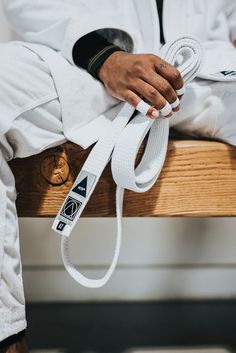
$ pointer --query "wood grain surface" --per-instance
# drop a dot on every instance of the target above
(198, 179)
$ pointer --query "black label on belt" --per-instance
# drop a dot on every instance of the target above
(83, 185)
(81, 188)
(70, 208)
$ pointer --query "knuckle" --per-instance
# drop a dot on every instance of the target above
(152, 93)
(168, 90)
(156, 58)
(137, 68)
(152, 57)
(176, 76)
(129, 72)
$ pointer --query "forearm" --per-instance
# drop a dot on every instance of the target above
(56, 24)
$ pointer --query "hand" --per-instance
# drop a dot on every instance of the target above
(129, 77)
(234, 43)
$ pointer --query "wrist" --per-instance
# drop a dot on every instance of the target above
(108, 64)
(100, 58)
(91, 50)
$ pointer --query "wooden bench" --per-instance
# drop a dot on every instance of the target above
(198, 179)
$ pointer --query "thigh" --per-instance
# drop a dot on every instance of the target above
(207, 109)
(25, 83)
(34, 131)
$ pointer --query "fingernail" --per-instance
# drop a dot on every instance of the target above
(155, 114)
(176, 109)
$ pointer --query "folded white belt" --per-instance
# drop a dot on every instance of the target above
(121, 144)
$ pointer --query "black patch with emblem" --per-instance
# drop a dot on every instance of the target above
(71, 208)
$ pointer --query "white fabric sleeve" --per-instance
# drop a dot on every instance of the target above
(231, 15)
(55, 23)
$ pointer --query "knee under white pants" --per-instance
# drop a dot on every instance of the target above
(31, 133)
(208, 109)
(37, 125)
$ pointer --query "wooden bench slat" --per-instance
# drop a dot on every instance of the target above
(198, 179)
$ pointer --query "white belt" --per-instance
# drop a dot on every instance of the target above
(121, 144)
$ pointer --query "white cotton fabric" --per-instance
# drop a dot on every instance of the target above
(12, 303)
(23, 85)
(134, 25)
(207, 109)
(30, 133)
(70, 104)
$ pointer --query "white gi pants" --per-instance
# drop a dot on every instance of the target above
(208, 109)
(37, 127)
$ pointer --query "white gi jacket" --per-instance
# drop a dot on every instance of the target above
(55, 26)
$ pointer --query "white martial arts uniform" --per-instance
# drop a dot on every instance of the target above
(37, 125)
(133, 24)
(46, 99)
